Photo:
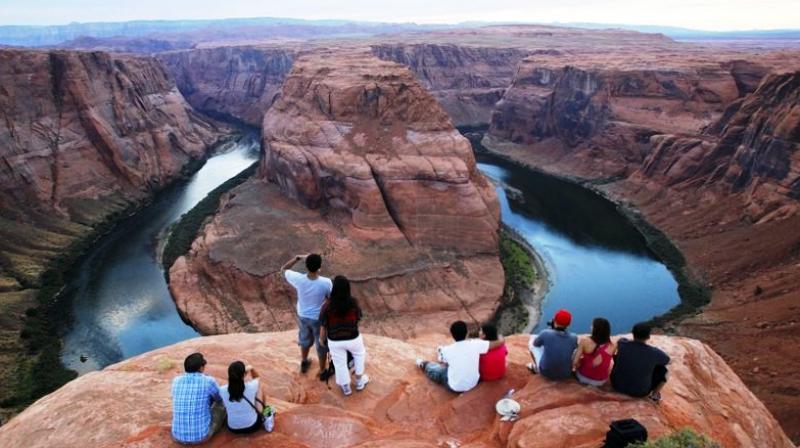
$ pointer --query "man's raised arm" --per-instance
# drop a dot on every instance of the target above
(289, 264)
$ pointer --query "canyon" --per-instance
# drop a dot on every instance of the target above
(360, 164)
(360, 158)
(400, 406)
(84, 137)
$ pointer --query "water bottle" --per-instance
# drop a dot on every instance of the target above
(269, 418)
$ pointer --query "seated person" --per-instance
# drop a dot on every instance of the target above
(243, 402)
(492, 365)
(592, 362)
(640, 369)
(458, 370)
(197, 411)
(552, 349)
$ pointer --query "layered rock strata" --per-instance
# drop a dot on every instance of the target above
(239, 82)
(83, 136)
(400, 406)
(466, 80)
(361, 165)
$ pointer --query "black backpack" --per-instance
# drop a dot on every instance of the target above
(621, 433)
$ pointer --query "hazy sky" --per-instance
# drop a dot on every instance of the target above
(701, 14)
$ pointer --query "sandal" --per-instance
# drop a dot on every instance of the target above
(531, 368)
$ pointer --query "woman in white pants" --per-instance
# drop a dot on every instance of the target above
(339, 319)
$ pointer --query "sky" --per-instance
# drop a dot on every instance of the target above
(717, 15)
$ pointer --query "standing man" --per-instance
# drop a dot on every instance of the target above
(197, 409)
(312, 290)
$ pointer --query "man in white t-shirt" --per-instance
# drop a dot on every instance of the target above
(459, 368)
(312, 290)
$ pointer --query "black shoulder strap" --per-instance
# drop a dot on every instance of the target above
(251, 403)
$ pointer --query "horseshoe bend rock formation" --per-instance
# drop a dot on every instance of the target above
(129, 405)
(362, 165)
(83, 136)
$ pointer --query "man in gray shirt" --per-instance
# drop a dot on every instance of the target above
(552, 349)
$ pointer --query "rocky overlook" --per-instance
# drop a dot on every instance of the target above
(361, 165)
(128, 404)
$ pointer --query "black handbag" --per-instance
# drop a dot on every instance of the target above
(621, 433)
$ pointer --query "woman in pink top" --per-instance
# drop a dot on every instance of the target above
(592, 360)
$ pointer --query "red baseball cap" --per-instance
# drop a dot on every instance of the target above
(562, 318)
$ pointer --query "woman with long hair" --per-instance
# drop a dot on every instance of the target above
(241, 399)
(339, 320)
(593, 358)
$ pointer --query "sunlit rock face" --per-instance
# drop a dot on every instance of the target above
(361, 165)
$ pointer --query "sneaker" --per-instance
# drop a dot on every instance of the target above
(362, 383)
(346, 389)
(421, 363)
(304, 365)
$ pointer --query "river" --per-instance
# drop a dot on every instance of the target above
(118, 299)
(598, 263)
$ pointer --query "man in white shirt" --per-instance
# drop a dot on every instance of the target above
(459, 368)
(312, 290)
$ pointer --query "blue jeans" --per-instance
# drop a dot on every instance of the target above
(438, 373)
(308, 330)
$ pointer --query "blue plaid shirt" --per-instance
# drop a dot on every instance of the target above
(192, 397)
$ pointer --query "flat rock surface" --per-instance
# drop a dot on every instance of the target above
(129, 405)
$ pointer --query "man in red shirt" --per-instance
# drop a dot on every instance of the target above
(492, 364)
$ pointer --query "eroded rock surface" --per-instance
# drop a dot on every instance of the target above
(129, 404)
(231, 82)
(83, 135)
(361, 165)
(466, 80)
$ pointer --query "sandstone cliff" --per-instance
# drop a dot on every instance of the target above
(603, 113)
(83, 136)
(129, 405)
(466, 80)
(230, 82)
(364, 167)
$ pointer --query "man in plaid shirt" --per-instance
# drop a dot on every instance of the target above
(197, 409)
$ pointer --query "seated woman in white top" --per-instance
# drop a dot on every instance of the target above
(243, 401)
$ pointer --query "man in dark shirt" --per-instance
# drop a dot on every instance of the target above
(640, 369)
